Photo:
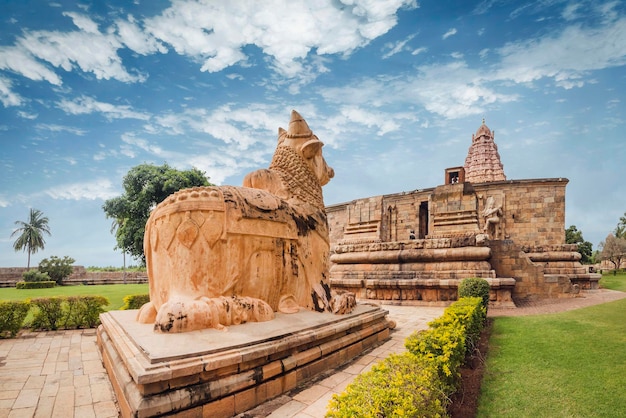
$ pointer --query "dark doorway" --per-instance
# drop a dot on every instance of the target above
(423, 221)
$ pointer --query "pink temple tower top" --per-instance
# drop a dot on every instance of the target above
(482, 163)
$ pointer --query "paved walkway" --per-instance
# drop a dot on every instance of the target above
(60, 374)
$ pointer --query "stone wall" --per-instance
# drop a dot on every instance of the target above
(534, 210)
(417, 245)
(11, 275)
(533, 213)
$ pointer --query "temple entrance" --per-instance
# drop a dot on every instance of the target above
(423, 220)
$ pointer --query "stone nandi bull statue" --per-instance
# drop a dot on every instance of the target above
(225, 255)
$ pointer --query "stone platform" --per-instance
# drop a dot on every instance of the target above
(223, 373)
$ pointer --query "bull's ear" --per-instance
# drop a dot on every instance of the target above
(310, 148)
(281, 135)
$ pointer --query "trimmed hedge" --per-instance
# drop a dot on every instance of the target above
(401, 385)
(35, 276)
(12, 315)
(418, 382)
(135, 301)
(67, 312)
(36, 285)
(449, 338)
(475, 287)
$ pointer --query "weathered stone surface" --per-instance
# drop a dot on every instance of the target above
(156, 374)
(219, 256)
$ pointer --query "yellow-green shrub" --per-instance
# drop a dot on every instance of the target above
(418, 382)
(402, 385)
(449, 337)
(475, 287)
(12, 315)
(135, 301)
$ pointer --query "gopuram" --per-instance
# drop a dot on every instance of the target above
(415, 247)
(241, 309)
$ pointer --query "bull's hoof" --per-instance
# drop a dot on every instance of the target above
(342, 302)
(147, 314)
(288, 305)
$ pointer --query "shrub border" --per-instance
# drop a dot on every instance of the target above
(419, 381)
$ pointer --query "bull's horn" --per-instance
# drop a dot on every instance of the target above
(298, 127)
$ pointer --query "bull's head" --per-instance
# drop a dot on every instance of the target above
(300, 137)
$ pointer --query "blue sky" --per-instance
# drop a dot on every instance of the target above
(395, 89)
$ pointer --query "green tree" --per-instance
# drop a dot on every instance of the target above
(30, 233)
(585, 248)
(614, 250)
(145, 186)
(57, 268)
(620, 230)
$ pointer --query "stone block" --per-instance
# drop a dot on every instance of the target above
(223, 408)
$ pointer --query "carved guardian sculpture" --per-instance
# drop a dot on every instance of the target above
(219, 256)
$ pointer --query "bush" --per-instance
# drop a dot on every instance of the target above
(33, 276)
(35, 285)
(416, 383)
(48, 313)
(68, 312)
(135, 301)
(83, 311)
(12, 315)
(402, 385)
(475, 287)
(449, 338)
(57, 268)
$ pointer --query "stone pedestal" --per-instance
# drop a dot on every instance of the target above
(223, 373)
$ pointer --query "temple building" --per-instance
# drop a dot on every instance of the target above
(417, 246)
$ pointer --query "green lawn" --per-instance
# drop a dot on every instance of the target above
(571, 364)
(615, 282)
(113, 292)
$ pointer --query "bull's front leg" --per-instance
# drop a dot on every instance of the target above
(182, 315)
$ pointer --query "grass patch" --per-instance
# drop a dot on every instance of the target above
(614, 282)
(571, 364)
(113, 292)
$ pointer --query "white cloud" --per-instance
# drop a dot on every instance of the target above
(396, 47)
(571, 11)
(93, 190)
(26, 115)
(83, 22)
(215, 32)
(237, 126)
(60, 128)
(7, 97)
(419, 50)
(85, 105)
(449, 33)
(136, 38)
(450, 90)
(383, 122)
(565, 56)
(92, 53)
(20, 61)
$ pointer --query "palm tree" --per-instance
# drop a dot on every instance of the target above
(31, 233)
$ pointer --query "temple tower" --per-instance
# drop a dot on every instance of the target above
(482, 163)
